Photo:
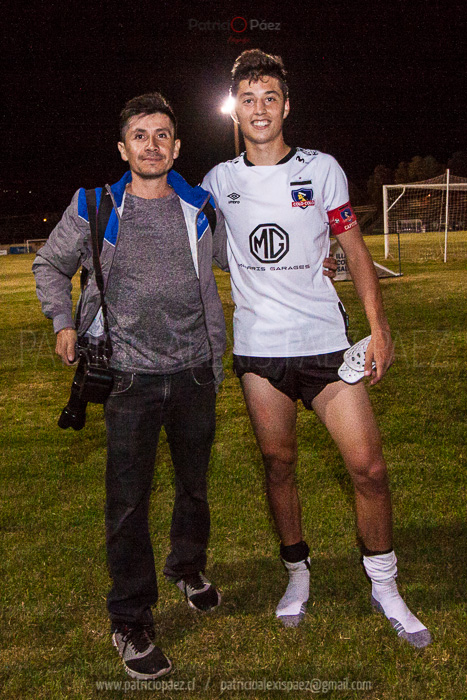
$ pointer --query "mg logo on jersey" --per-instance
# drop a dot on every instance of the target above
(303, 198)
(269, 243)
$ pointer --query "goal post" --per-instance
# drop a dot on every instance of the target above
(428, 219)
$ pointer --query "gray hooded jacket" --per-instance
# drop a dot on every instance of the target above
(69, 247)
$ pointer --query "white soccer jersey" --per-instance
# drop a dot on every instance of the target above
(278, 227)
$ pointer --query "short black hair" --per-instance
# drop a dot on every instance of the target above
(150, 103)
(254, 64)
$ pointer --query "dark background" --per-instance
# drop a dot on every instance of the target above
(370, 83)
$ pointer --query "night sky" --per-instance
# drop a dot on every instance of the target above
(370, 83)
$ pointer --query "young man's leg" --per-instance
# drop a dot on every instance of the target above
(346, 412)
(273, 417)
(190, 421)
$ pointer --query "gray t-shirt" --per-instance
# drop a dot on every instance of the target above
(155, 310)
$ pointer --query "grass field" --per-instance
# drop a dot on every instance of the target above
(55, 641)
(418, 247)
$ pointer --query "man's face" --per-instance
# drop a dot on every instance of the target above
(149, 146)
(261, 109)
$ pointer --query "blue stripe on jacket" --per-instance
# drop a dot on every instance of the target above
(195, 196)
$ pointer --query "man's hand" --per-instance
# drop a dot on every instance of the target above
(65, 346)
(381, 351)
(330, 267)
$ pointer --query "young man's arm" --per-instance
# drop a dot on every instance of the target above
(365, 279)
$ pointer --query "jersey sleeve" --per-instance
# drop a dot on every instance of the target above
(211, 182)
(336, 198)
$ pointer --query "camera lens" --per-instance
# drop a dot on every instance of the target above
(72, 419)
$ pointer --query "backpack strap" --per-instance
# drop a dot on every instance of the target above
(98, 219)
(103, 216)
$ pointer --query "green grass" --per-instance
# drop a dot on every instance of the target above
(418, 247)
(54, 639)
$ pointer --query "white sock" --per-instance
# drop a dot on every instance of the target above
(293, 602)
(382, 570)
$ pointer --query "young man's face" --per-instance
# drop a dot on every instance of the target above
(261, 109)
(150, 146)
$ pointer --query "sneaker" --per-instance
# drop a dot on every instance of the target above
(150, 630)
(200, 594)
(141, 659)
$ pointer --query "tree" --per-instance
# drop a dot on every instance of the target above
(432, 167)
(381, 176)
(418, 170)
(402, 173)
(457, 164)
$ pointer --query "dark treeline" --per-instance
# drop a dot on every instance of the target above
(31, 210)
(416, 170)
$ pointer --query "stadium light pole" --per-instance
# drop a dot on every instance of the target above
(227, 108)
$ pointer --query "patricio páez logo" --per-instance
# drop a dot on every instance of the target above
(236, 24)
(303, 198)
(269, 243)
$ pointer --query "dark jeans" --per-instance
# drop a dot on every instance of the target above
(139, 405)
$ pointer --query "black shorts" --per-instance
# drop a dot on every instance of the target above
(296, 377)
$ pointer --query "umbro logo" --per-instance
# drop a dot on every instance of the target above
(233, 197)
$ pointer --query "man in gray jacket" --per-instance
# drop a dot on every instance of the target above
(168, 336)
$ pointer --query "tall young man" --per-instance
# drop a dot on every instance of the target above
(280, 205)
(168, 336)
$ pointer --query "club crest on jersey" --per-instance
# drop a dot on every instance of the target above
(303, 198)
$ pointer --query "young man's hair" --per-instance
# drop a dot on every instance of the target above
(150, 103)
(253, 65)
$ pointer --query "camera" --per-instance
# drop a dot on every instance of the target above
(92, 382)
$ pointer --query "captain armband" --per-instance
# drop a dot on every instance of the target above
(342, 219)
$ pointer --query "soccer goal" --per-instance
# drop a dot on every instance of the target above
(33, 244)
(427, 220)
(409, 226)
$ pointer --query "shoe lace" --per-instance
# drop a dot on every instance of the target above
(150, 631)
(195, 581)
(138, 638)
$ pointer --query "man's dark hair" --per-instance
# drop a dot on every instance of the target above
(253, 65)
(150, 103)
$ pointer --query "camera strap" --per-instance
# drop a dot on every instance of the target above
(98, 218)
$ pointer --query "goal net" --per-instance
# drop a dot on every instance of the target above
(426, 220)
(33, 244)
(409, 226)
